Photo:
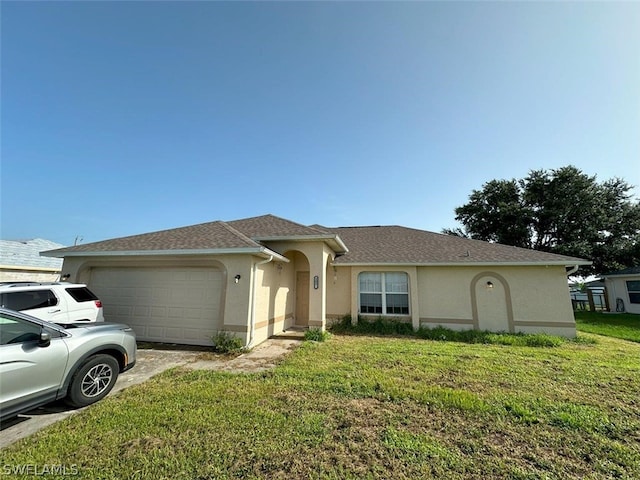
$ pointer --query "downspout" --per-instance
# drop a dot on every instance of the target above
(253, 300)
(573, 270)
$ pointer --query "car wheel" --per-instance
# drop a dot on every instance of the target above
(93, 380)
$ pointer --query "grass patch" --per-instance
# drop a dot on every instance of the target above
(477, 336)
(369, 407)
(620, 325)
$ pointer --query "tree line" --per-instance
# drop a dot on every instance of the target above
(563, 211)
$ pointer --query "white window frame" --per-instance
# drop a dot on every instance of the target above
(383, 293)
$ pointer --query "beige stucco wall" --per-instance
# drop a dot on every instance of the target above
(235, 296)
(318, 255)
(273, 301)
(521, 299)
(338, 292)
(617, 288)
(27, 275)
(275, 283)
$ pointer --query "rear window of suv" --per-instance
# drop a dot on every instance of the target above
(81, 294)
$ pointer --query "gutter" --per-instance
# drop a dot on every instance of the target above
(253, 300)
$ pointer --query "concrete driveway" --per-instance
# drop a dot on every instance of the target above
(151, 362)
(148, 363)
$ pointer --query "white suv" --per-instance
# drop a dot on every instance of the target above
(61, 303)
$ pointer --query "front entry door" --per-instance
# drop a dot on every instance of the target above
(302, 298)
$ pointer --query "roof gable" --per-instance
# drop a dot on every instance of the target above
(268, 226)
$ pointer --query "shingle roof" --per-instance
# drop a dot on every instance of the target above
(26, 253)
(267, 226)
(625, 271)
(401, 245)
(367, 245)
(205, 236)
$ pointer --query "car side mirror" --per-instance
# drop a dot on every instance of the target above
(45, 339)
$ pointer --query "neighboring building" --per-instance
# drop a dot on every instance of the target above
(623, 288)
(20, 260)
(259, 276)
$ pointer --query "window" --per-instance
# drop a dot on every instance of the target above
(81, 294)
(29, 300)
(16, 330)
(633, 288)
(384, 293)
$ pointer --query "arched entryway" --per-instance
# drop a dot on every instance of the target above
(491, 303)
(302, 286)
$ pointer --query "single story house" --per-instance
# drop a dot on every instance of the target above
(20, 261)
(259, 276)
(623, 288)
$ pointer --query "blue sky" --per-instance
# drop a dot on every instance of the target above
(121, 118)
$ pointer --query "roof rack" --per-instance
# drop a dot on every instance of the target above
(27, 284)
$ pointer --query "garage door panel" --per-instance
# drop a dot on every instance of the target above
(120, 311)
(141, 311)
(177, 305)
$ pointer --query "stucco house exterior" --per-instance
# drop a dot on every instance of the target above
(623, 289)
(20, 260)
(259, 276)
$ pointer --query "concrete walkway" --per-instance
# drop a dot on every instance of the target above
(151, 362)
(263, 357)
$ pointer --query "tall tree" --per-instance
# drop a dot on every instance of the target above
(562, 211)
(497, 214)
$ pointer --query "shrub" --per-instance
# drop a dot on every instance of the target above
(391, 326)
(226, 342)
(378, 326)
(342, 326)
(316, 335)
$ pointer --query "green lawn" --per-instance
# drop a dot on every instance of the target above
(619, 325)
(369, 407)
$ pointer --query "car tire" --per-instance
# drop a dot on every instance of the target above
(93, 380)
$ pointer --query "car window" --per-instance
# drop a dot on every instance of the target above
(81, 294)
(29, 300)
(16, 330)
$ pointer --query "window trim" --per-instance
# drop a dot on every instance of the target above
(633, 293)
(383, 293)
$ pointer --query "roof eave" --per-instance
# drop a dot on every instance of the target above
(619, 275)
(459, 264)
(30, 268)
(333, 239)
(260, 251)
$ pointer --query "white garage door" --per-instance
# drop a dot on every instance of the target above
(176, 305)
